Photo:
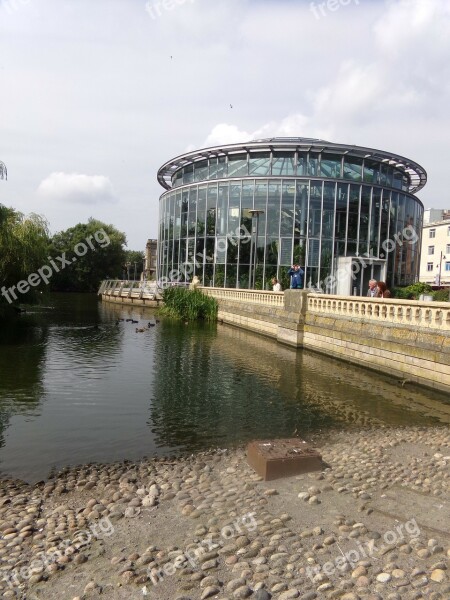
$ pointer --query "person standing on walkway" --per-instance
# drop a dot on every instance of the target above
(276, 285)
(372, 291)
(297, 275)
(382, 291)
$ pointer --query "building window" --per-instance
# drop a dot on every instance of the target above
(447, 251)
(430, 250)
(447, 266)
(432, 233)
(429, 267)
(448, 230)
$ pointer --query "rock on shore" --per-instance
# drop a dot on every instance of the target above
(372, 525)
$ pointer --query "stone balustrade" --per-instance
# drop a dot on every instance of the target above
(251, 296)
(430, 315)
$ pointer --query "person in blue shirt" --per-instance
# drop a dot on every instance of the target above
(297, 275)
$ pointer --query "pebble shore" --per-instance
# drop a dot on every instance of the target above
(373, 524)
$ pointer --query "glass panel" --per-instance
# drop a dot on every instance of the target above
(244, 276)
(221, 250)
(315, 208)
(211, 221)
(328, 209)
(192, 218)
(213, 167)
(330, 166)
(301, 209)
(283, 163)
(352, 168)
(326, 257)
(385, 220)
(177, 227)
(200, 258)
(260, 203)
(364, 220)
(272, 251)
(287, 208)
(177, 178)
(222, 209)
(259, 164)
(222, 167)
(340, 227)
(313, 164)
(234, 210)
(231, 276)
(353, 217)
(209, 274)
(237, 165)
(188, 174)
(375, 222)
(273, 208)
(244, 252)
(232, 250)
(246, 205)
(397, 179)
(201, 170)
(212, 196)
(371, 171)
(202, 198)
(286, 251)
(219, 276)
(301, 163)
(247, 194)
(313, 253)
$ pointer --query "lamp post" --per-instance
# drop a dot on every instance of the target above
(254, 248)
(440, 268)
(128, 265)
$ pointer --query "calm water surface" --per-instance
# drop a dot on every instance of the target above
(76, 388)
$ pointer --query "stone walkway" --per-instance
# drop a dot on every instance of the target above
(373, 524)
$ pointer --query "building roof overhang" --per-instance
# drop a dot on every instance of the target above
(417, 174)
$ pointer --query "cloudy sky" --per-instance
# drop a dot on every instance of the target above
(95, 95)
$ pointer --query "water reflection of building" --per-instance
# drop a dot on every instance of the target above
(324, 205)
(204, 397)
(233, 386)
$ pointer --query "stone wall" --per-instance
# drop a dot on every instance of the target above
(414, 353)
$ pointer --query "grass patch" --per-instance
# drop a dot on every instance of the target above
(188, 305)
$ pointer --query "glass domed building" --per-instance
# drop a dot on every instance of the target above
(238, 215)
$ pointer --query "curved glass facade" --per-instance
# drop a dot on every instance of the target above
(238, 216)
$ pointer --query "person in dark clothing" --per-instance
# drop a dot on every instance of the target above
(297, 275)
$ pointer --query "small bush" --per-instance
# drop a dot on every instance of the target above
(441, 295)
(188, 305)
(412, 292)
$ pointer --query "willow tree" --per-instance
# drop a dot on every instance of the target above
(3, 171)
(24, 244)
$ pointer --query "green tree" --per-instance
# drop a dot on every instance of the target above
(134, 258)
(24, 244)
(93, 251)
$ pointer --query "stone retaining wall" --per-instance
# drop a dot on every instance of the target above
(415, 354)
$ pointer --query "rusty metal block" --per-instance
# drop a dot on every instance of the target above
(273, 459)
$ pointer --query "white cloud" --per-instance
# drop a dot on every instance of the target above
(226, 134)
(77, 188)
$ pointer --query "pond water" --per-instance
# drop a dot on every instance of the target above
(76, 387)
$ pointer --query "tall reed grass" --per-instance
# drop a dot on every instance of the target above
(188, 305)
